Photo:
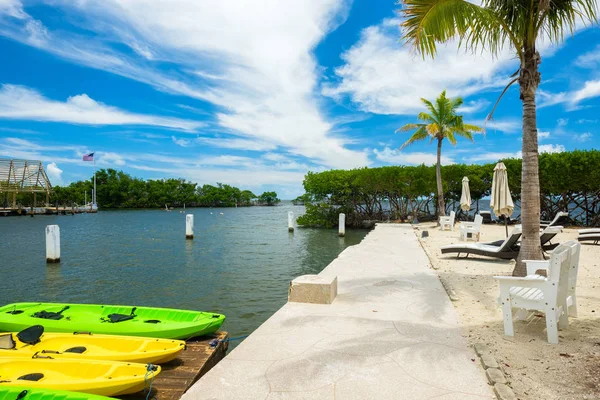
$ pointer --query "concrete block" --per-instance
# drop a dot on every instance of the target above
(488, 361)
(494, 376)
(480, 349)
(503, 392)
(313, 289)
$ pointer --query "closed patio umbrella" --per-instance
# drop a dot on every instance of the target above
(465, 197)
(501, 201)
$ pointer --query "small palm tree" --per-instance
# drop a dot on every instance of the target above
(442, 122)
(493, 26)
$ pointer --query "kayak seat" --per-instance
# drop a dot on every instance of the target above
(7, 342)
(50, 314)
(152, 321)
(15, 312)
(113, 318)
(34, 377)
(31, 335)
(77, 350)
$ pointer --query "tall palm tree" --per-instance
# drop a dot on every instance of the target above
(492, 26)
(442, 122)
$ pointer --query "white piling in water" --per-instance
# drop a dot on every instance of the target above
(290, 221)
(52, 244)
(342, 224)
(189, 226)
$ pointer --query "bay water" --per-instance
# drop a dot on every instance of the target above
(239, 263)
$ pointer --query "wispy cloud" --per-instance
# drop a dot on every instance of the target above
(22, 103)
(263, 82)
(390, 156)
(382, 76)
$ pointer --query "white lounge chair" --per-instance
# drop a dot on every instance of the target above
(575, 248)
(561, 218)
(506, 249)
(447, 221)
(539, 293)
(471, 229)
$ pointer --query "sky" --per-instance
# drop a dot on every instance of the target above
(255, 93)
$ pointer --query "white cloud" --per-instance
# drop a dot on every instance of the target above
(54, 173)
(504, 125)
(583, 137)
(382, 76)
(562, 121)
(237, 143)
(589, 90)
(181, 142)
(590, 59)
(543, 135)
(256, 65)
(22, 103)
(473, 106)
(390, 156)
(12, 8)
(551, 148)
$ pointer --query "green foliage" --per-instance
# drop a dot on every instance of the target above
(268, 199)
(568, 180)
(116, 189)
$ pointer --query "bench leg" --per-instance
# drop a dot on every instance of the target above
(572, 306)
(551, 326)
(508, 317)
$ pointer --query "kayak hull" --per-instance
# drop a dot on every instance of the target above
(11, 393)
(97, 347)
(152, 322)
(104, 378)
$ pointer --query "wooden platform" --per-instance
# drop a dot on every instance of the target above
(178, 375)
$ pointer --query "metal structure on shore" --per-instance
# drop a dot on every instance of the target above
(22, 176)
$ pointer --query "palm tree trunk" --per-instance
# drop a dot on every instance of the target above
(438, 177)
(530, 182)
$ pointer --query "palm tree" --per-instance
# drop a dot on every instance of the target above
(492, 26)
(441, 123)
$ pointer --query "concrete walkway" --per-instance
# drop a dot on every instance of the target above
(391, 333)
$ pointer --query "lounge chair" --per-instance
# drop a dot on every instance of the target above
(592, 237)
(506, 250)
(561, 218)
(469, 230)
(447, 221)
(487, 217)
(589, 231)
(539, 293)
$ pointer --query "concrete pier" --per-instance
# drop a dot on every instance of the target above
(391, 333)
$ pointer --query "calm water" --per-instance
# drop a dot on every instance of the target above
(239, 263)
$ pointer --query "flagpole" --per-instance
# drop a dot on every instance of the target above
(94, 200)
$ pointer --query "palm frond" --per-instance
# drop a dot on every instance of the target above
(423, 116)
(450, 136)
(408, 127)
(428, 22)
(420, 134)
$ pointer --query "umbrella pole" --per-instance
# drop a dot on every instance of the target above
(506, 225)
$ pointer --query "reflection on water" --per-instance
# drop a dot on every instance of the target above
(239, 263)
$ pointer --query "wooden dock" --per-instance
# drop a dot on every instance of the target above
(24, 211)
(178, 375)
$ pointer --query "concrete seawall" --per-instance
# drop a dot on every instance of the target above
(391, 333)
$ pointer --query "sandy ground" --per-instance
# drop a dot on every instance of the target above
(534, 368)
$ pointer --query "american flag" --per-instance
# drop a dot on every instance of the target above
(88, 157)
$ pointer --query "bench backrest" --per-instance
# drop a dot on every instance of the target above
(558, 274)
(478, 221)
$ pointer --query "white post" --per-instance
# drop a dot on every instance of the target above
(52, 244)
(189, 226)
(290, 221)
(342, 224)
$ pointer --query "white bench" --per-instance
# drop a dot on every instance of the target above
(539, 293)
(471, 230)
(447, 221)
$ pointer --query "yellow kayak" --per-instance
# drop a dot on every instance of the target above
(34, 343)
(105, 378)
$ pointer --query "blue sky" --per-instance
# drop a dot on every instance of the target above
(257, 93)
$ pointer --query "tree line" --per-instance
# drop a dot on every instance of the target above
(568, 181)
(117, 189)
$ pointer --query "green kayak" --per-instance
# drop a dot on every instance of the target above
(152, 322)
(20, 393)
